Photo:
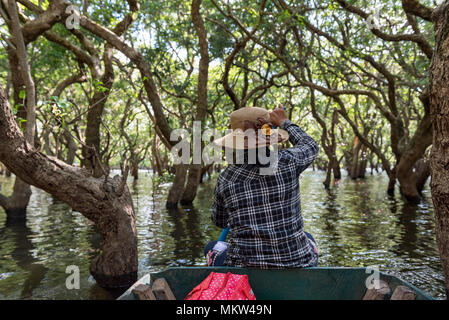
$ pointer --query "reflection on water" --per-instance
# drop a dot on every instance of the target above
(355, 224)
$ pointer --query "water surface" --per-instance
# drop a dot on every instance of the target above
(355, 224)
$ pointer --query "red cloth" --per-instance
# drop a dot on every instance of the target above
(223, 286)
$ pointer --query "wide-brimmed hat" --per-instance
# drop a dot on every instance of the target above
(251, 128)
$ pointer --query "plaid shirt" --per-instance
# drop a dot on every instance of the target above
(264, 211)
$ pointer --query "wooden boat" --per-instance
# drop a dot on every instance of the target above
(287, 284)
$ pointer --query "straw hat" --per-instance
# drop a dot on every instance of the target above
(251, 128)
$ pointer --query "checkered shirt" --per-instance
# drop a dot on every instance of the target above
(264, 211)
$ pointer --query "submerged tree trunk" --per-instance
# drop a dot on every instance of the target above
(135, 168)
(409, 179)
(175, 193)
(329, 145)
(422, 171)
(333, 167)
(107, 202)
(156, 159)
(194, 177)
(335, 164)
(336, 169)
(354, 173)
(363, 162)
(327, 181)
(16, 205)
(391, 182)
(193, 182)
(439, 157)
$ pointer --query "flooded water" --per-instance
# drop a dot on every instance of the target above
(355, 225)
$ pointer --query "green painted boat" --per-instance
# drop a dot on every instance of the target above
(287, 284)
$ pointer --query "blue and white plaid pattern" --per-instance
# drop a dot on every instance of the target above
(264, 211)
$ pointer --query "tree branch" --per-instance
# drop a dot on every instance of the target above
(415, 8)
(44, 21)
(140, 62)
(425, 47)
(76, 78)
(21, 52)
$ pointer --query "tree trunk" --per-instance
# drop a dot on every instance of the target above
(16, 205)
(439, 157)
(102, 91)
(156, 160)
(391, 182)
(354, 173)
(175, 193)
(328, 146)
(71, 145)
(206, 169)
(336, 169)
(327, 181)
(335, 163)
(422, 169)
(203, 74)
(96, 108)
(106, 202)
(361, 168)
(193, 181)
(117, 264)
(412, 185)
(135, 167)
(408, 179)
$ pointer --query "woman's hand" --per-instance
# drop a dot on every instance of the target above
(278, 115)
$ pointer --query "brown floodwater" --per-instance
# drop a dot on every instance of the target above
(356, 224)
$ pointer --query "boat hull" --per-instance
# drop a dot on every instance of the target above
(285, 284)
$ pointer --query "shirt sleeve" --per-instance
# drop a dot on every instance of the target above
(304, 149)
(219, 212)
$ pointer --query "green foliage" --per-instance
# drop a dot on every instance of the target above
(338, 57)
